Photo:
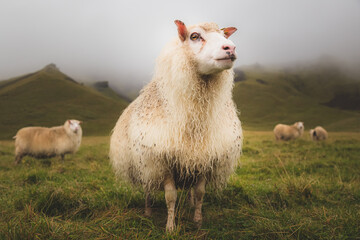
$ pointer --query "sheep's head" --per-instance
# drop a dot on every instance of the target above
(300, 126)
(212, 50)
(74, 125)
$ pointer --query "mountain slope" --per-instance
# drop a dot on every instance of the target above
(104, 88)
(268, 97)
(316, 96)
(49, 97)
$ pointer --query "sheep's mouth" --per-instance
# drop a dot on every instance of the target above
(231, 58)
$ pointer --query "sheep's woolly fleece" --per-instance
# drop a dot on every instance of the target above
(180, 124)
(48, 142)
(318, 134)
(288, 132)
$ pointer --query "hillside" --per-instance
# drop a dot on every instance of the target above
(48, 97)
(317, 95)
(104, 88)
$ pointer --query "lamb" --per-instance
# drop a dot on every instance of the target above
(288, 132)
(42, 142)
(318, 134)
(183, 130)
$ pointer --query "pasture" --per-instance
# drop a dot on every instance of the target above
(282, 190)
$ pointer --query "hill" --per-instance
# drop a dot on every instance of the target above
(104, 88)
(316, 95)
(48, 97)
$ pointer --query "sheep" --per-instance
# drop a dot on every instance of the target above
(183, 130)
(42, 142)
(288, 132)
(318, 134)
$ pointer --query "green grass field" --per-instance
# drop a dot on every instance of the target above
(283, 190)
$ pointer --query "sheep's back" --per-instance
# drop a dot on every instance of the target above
(40, 140)
(321, 133)
(281, 129)
(285, 132)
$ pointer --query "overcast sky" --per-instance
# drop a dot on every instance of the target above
(119, 40)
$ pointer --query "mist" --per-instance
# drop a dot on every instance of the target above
(118, 41)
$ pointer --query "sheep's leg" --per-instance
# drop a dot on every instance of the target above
(18, 155)
(62, 157)
(191, 198)
(170, 197)
(147, 204)
(199, 192)
(18, 158)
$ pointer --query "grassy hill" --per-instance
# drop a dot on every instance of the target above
(105, 89)
(314, 95)
(48, 97)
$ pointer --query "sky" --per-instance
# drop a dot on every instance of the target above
(118, 40)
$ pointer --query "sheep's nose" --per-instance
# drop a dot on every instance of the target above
(230, 49)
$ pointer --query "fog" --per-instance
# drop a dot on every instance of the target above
(118, 41)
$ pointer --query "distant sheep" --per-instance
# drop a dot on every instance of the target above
(42, 142)
(288, 132)
(183, 129)
(318, 134)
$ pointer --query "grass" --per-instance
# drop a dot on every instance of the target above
(283, 190)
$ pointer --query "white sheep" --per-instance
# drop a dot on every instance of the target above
(183, 129)
(42, 142)
(318, 134)
(288, 132)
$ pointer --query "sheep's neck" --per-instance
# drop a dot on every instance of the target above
(196, 106)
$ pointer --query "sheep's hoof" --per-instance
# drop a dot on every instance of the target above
(147, 212)
(170, 227)
(198, 220)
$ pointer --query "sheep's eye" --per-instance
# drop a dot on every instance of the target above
(194, 36)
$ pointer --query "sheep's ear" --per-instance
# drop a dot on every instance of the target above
(181, 30)
(69, 121)
(229, 31)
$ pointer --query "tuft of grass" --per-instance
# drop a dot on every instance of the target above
(283, 190)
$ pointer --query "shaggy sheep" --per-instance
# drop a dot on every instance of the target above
(318, 134)
(288, 132)
(183, 129)
(42, 142)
